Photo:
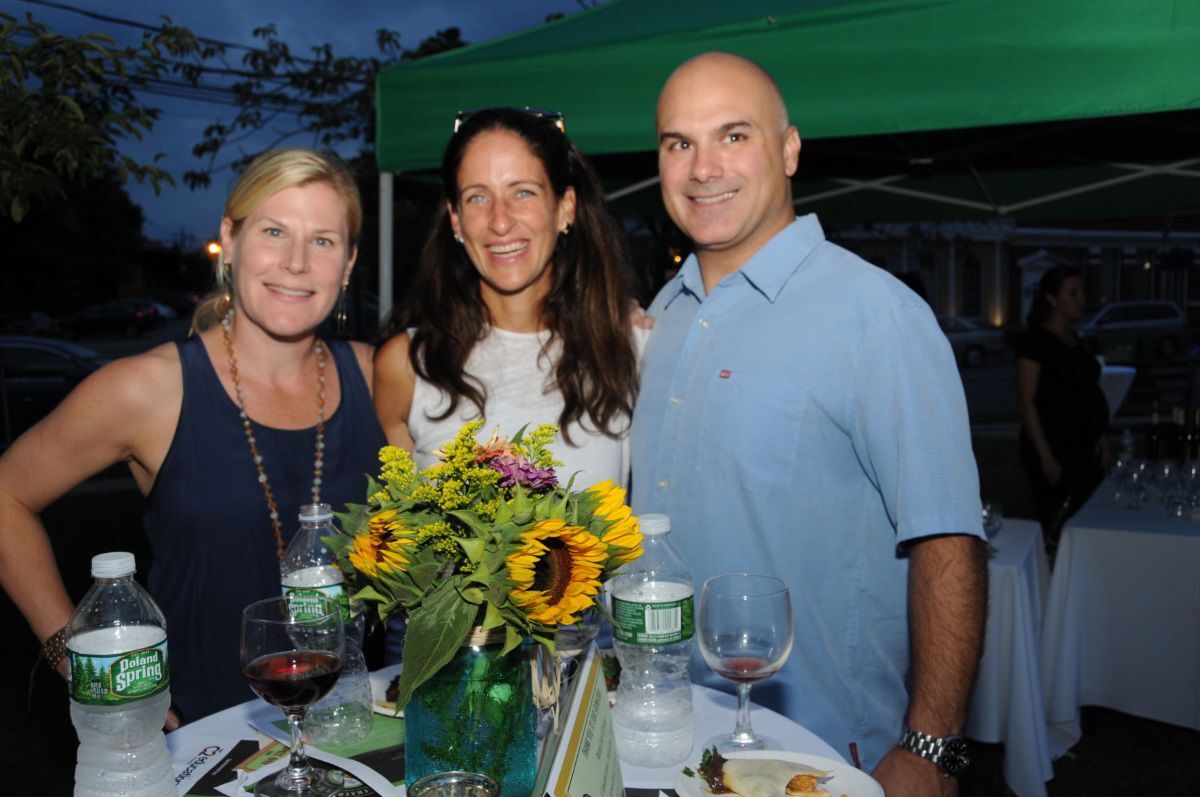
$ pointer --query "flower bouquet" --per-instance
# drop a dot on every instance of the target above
(485, 540)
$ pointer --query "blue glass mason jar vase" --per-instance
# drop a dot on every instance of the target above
(476, 714)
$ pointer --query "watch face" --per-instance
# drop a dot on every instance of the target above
(954, 759)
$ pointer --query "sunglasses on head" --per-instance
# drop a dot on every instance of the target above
(554, 117)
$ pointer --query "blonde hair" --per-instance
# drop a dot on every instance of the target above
(266, 175)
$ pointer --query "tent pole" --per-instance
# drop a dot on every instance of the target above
(386, 248)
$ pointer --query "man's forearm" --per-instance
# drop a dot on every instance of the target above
(947, 607)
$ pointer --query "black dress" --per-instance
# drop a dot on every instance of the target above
(207, 520)
(1074, 415)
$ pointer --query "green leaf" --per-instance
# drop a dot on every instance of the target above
(511, 639)
(71, 106)
(492, 618)
(472, 547)
(435, 632)
(473, 595)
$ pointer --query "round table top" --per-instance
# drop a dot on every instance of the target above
(712, 714)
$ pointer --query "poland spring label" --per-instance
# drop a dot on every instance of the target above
(657, 623)
(309, 603)
(112, 679)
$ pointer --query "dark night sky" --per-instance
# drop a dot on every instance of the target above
(347, 25)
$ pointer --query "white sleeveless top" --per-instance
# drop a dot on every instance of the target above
(518, 379)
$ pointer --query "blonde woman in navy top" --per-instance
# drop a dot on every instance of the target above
(226, 433)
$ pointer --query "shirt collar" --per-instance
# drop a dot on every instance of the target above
(769, 269)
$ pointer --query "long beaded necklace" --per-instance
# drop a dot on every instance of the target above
(318, 451)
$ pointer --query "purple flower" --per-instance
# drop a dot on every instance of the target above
(519, 470)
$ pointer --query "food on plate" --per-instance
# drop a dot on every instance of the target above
(760, 777)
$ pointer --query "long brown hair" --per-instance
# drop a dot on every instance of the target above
(587, 307)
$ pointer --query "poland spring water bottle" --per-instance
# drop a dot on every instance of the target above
(652, 635)
(309, 573)
(118, 682)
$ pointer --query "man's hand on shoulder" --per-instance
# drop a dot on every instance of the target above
(904, 774)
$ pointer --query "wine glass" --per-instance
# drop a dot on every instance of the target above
(291, 661)
(745, 636)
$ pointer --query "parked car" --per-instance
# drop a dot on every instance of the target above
(972, 342)
(1135, 330)
(33, 323)
(35, 375)
(128, 317)
(181, 302)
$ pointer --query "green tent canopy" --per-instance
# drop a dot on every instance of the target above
(909, 109)
(851, 68)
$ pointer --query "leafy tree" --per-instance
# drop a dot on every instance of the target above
(66, 104)
(328, 100)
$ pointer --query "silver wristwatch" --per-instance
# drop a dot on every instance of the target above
(948, 753)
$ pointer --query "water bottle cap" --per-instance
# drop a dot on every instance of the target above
(653, 525)
(315, 513)
(113, 565)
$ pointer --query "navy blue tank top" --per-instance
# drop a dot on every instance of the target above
(208, 524)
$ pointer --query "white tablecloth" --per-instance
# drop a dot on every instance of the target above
(712, 714)
(1122, 623)
(1115, 381)
(1006, 705)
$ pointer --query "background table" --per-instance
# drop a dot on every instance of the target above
(1122, 623)
(1006, 705)
(712, 713)
(1115, 381)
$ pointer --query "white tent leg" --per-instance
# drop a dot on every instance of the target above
(386, 248)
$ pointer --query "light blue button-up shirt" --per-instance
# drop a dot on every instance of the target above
(805, 420)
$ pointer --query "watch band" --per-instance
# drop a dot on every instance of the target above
(948, 753)
(55, 647)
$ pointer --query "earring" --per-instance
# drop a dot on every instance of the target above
(566, 230)
(458, 237)
(341, 309)
(227, 279)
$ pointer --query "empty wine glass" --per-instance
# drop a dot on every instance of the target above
(292, 661)
(1135, 484)
(745, 636)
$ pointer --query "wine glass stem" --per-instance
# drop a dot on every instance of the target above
(742, 732)
(298, 765)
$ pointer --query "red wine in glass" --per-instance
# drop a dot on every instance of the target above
(291, 661)
(293, 680)
(744, 669)
(745, 636)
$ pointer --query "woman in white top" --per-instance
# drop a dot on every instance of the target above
(520, 311)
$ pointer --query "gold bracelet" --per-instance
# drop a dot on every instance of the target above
(55, 647)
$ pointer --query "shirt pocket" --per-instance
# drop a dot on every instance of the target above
(750, 432)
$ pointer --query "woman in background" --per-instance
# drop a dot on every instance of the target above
(1063, 412)
(226, 433)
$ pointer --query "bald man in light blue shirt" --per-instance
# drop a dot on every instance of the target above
(801, 415)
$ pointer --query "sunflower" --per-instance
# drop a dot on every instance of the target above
(621, 535)
(383, 546)
(556, 571)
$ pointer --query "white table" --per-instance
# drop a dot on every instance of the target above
(1006, 705)
(712, 713)
(1115, 381)
(1122, 623)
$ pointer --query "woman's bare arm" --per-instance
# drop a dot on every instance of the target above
(393, 393)
(122, 413)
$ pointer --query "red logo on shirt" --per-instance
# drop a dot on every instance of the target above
(725, 373)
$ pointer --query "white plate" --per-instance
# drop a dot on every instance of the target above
(379, 684)
(845, 779)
